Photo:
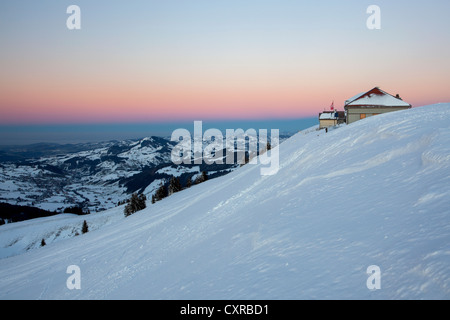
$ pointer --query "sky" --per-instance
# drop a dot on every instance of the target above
(164, 61)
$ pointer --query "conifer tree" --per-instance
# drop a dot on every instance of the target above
(136, 203)
(85, 227)
(189, 182)
(161, 193)
(142, 202)
(174, 185)
(202, 178)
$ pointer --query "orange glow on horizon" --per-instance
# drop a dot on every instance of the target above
(165, 97)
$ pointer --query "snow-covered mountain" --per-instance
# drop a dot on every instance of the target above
(376, 192)
(95, 176)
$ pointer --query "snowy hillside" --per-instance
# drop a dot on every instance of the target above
(376, 192)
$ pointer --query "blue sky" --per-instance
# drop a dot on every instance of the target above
(162, 61)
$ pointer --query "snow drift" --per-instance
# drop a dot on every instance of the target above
(376, 192)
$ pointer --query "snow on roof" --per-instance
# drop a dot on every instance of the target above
(354, 98)
(376, 97)
(328, 116)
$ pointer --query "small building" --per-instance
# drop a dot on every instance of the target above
(331, 118)
(371, 103)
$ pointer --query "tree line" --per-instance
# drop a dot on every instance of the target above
(138, 202)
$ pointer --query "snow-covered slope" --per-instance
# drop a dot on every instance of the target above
(17, 238)
(376, 192)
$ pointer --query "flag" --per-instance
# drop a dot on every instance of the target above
(332, 106)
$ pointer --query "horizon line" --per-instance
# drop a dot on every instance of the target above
(158, 122)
